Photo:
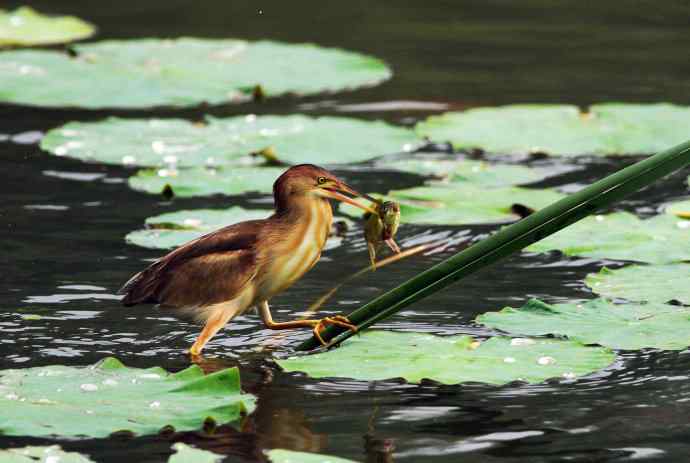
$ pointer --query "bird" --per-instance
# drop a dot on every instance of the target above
(221, 275)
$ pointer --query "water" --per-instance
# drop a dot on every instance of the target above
(64, 256)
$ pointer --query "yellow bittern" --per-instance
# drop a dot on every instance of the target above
(224, 273)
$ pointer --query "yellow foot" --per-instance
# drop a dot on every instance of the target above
(337, 320)
(194, 350)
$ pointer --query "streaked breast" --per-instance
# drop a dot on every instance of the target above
(299, 250)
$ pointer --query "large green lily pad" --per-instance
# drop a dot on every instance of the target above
(41, 454)
(291, 456)
(26, 26)
(562, 130)
(204, 181)
(599, 321)
(379, 355)
(108, 396)
(466, 170)
(658, 240)
(650, 283)
(183, 72)
(458, 203)
(293, 139)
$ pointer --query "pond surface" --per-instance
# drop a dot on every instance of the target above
(64, 256)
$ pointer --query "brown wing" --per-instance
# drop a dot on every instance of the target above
(211, 269)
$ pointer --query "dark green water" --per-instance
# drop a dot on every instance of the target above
(63, 254)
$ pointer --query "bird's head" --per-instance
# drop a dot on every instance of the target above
(306, 181)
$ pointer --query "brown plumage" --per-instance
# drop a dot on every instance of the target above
(222, 274)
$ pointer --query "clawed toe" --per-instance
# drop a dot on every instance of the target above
(337, 320)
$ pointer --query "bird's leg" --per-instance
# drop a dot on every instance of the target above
(316, 325)
(214, 323)
(267, 318)
(372, 254)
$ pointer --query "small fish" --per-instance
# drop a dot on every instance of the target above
(382, 228)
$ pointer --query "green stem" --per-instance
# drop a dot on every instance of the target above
(511, 239)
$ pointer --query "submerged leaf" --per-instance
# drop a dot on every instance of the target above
(651, 283)
(380, 355)
(26, 26)
(659, 240)
(108, 396)
(291, 456)
(291, 139)
(562, 130)
(202, 181)
(41, 454)
(462, 203)
(187, 454)
(618, 326)
(166, 72)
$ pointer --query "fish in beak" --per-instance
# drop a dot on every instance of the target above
(334, 192)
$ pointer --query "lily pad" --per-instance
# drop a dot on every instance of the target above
(108, 396)
(659, 240)
(187, 454)
(458, 203)
(380, 355)
(145, 73)
(465, 170)
(290, 456)
(679, 209)
(41, 454)
(650, 283)
(172, 229)
(26, 26)
(294, 139)
(599, 321)
(562, 130)
(203, 181)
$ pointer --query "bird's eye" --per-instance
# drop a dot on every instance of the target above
(321, 180)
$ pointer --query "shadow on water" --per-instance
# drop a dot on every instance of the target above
(64, 256)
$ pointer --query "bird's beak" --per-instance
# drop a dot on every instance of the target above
(334, 193)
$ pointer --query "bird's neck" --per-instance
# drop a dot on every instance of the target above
(305, 208)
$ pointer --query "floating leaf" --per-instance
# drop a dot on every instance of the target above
(379, 355)
(658, 240)
(651, 283)
(41, 454)
(25, 26)
(465, 170)
(293, 139)
(679, 209)
(187, 454)
(175, 228)
(290, 456)
(618, 326)
(155, 72)
(562, 130)
(202, 181)
(172, 229)
(108, 396)
(462, 203)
